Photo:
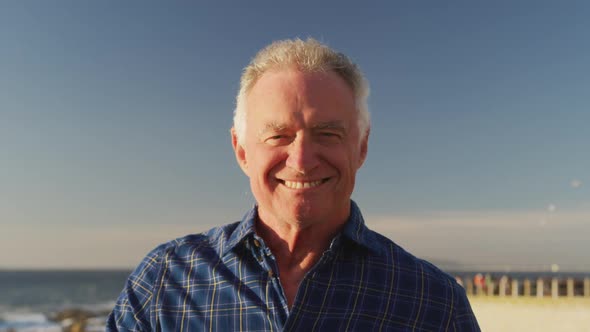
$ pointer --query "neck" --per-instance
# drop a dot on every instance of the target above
(293, 245)
(296, 249)
(293, 242)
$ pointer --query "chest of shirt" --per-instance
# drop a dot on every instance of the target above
(242, 292)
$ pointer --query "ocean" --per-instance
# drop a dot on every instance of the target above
(42, 300)
(30, 299)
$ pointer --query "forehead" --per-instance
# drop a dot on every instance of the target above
(287, 95)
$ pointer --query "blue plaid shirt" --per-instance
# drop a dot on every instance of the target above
(227, 280)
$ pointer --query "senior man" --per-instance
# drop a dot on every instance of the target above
(302, 259)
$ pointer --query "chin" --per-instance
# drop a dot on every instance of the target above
(307, 213)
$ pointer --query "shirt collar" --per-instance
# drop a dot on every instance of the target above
(354, 230)
(245, 229)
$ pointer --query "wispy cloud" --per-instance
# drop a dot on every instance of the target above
(503, 238)
(88, 246)
(575, 183)
(482, 219)
(493, 237)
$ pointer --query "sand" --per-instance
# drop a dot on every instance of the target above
(496, 314)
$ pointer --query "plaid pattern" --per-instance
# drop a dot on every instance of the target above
(226, 280)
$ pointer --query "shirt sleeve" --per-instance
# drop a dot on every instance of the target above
(465, 320)
(133, 310)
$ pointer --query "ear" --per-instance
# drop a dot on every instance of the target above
(364, 148)
(239, 151)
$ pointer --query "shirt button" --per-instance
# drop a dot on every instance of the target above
(271, 274)
(256, 243)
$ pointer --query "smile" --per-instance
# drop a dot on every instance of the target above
(303, 184)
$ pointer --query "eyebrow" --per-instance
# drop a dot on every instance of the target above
(337, 125)
(277, 127)
(272, 127)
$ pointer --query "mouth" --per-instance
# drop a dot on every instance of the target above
(303, 184)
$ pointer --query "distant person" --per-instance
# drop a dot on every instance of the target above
(480, 285)
(302, 259)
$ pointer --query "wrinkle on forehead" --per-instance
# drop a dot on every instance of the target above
(292, 100)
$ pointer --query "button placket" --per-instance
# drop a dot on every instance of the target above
(267, 262)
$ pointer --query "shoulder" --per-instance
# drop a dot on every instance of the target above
(418, 278)
(149, 269)
(414, 275)
(410, 272)
(180, 250)
(405, 261)
(133, 309)
(214, 239)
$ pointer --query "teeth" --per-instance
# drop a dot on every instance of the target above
(302, 185)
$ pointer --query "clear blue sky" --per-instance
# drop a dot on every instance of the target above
(115, 117)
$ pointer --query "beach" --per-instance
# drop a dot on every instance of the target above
(504, 314)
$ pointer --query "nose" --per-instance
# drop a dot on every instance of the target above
(302, 156)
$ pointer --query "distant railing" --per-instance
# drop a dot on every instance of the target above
(540, 287)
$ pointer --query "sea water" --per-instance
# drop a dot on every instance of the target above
(29, 298)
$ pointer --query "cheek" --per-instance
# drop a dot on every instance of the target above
(355, 159)
(265, 164)
(342, 159)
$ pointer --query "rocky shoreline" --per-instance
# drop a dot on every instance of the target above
(79, 320)
(66, 320)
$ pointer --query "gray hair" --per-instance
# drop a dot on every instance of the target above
(307, 56)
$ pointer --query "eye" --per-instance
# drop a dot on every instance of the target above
(330, 134)
(329, 137)
(277, 140)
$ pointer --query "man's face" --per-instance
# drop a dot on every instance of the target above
(302, 147)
